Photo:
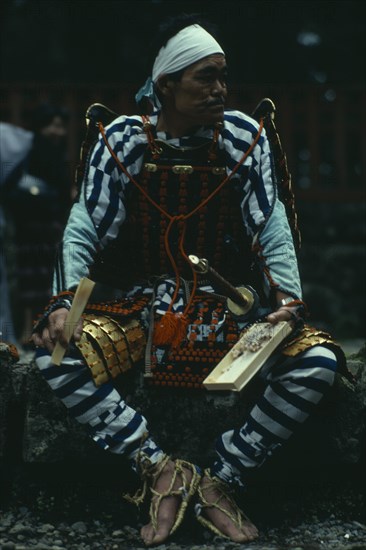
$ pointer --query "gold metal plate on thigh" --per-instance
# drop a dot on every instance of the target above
(308, 338)
(110, 347)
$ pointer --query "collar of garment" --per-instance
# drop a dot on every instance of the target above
(200, 132)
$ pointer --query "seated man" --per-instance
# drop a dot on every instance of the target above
(191, 178)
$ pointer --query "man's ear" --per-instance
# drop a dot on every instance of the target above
(165, 86)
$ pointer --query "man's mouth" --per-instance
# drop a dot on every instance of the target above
(216, 103)
(216, 106)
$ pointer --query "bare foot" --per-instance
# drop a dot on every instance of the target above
(169, 505)
(242, 531)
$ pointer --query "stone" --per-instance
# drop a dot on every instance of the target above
(49, 433)
(79, 527)
(35, 423)
(46, 528)
(337, 248)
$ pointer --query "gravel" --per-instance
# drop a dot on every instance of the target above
(304, 516)
(20, 530)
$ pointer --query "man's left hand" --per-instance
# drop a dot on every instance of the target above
(282, 314)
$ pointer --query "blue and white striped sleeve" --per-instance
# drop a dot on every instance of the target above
(77, 251)
(105, 183)
(96, 217)
(264, 215)
(259, 191)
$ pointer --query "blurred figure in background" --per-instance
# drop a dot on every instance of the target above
(36, 194)
(15, 145)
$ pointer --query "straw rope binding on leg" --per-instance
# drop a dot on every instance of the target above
(150, 474)
(185, 492)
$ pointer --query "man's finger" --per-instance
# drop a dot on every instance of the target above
(272, 318)
(47, 340)
(37, 340)
(57, 325)
(59, 331)
(78, 330)
(280, 315)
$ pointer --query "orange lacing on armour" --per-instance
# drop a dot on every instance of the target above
(155, 150)
(258, 249)
(171, 328)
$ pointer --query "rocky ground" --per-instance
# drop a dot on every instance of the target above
(78, 506)
(50, 510)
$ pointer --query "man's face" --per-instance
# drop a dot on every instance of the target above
(199, 97)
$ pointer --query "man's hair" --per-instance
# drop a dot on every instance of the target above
(169, 28)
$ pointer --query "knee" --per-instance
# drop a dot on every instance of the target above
(319, 363)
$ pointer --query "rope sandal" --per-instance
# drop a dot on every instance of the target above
(236, 515)
(150, 473)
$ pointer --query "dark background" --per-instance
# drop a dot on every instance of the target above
(87, 41)
(307, 56)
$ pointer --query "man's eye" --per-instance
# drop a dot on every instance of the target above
(206, 78)
(209, 79)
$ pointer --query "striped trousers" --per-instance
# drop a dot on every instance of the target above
(294, 386)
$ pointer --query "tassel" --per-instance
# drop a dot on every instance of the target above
(171, 329)
(181, 330)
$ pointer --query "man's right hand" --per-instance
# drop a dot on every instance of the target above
(54, 331)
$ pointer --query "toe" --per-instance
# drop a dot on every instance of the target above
(162, 533)
(250, 532)
(240, 536)
(147, 534)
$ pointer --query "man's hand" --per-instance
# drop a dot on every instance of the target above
(282, 314)
(54, 331)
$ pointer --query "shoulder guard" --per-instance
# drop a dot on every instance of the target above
(266, 109)
(94, 114)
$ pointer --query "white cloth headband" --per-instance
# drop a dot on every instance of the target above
(188, 46)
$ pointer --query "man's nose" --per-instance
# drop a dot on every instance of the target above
(219, 88)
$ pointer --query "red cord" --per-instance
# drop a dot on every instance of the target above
(184, 217)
